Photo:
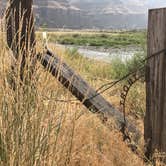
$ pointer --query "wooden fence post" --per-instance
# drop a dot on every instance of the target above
(155, 119)
(20, 30)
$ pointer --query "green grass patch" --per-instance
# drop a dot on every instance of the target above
(100, 39)
(120, 68)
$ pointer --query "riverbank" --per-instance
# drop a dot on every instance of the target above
(105, 54)
(99, 39)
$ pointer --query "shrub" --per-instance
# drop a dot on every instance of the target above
(120, 67)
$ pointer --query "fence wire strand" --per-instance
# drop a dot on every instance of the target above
(105, 87)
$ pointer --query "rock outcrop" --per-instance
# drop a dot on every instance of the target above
(80, 14)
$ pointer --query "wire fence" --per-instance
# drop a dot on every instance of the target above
(105, 87)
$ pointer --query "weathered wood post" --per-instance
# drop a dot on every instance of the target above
(20, 30)
(155, 119)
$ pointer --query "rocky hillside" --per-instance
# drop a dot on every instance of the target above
(105, 14)
(58, 14)
(114, 13)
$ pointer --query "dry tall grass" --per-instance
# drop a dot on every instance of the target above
(35, 129)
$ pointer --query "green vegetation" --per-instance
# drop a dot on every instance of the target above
(120, 68)
(113, 39)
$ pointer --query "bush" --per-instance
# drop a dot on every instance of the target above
(120, 67)
(135, 103)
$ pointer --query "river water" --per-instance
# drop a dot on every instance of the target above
(106, 55)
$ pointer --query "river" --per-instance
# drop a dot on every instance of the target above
(106, 55)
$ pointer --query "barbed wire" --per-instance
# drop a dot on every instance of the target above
(103, 88)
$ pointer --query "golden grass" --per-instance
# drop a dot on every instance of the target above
(37, 130)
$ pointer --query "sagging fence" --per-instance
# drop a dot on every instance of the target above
(155, 119)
